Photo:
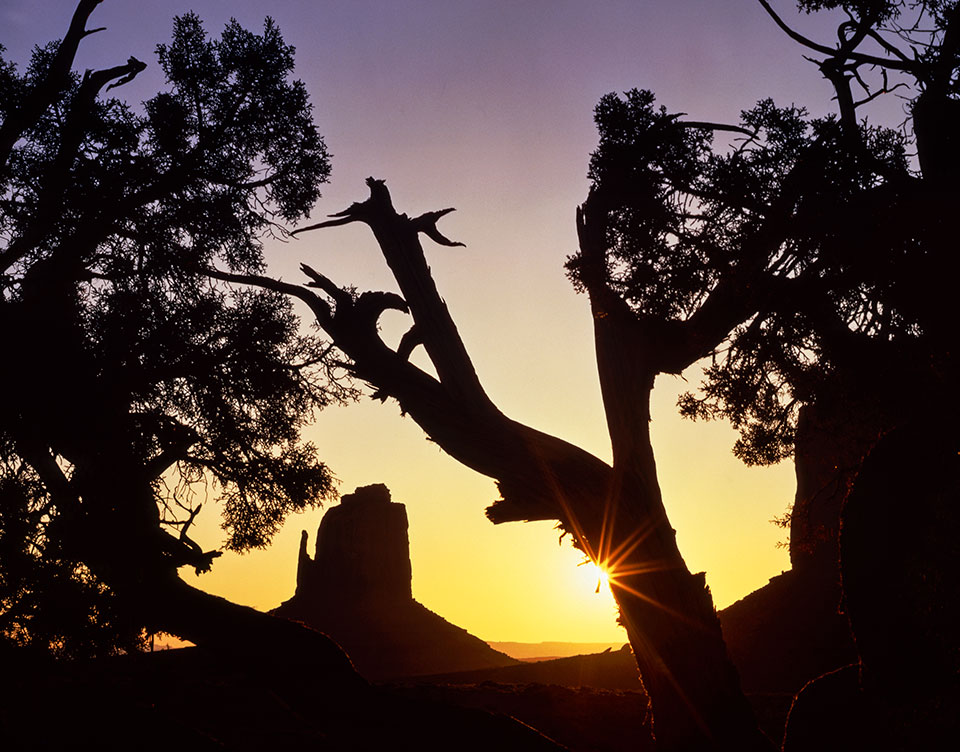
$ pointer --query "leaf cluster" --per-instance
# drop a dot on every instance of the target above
(880, 10)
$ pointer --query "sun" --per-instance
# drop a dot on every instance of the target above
(590, 574)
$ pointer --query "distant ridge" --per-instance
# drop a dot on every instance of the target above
(541, 651)
(612, 670)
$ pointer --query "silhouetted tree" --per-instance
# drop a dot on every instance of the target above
(875, 313)
(786, 257)
(50, 603)
(837, 252)
(131, 381)
(614, 513)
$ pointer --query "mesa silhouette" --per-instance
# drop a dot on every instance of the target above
(357, 589)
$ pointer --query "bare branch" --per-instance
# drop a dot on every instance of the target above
(356, 212)
(189, 521)
(371, 304)
(901, 64)
(717, 127)
(185, 552)
(427, 224)
(879, 92)
(891, 48)
(409, 342)
(345, 220)
(340, 296)
(399, 242)
(319, 306)
(794, 35)
(133, 67)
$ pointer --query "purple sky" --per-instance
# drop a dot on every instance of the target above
(487, 105)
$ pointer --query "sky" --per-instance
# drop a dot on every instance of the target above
(487, 106)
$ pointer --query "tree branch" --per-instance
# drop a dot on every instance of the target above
(354, 213)
(48, 89)
(716, 127)
(832, 52)
(834, 71)
(397, 236)
(51, 474)
(56, 178)
(409, 342)
(319, 307)
(541, 477)
(370, 305)
(427, 224)
(891, 48)
(340, 296)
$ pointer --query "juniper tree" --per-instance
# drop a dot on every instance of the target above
(132, 381)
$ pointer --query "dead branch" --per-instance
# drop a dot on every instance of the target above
(427, 224)
(51, 85)
(340, 296)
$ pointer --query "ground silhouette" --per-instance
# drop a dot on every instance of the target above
(197, 699)
(357, 589)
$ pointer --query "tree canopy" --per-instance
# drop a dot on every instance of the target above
(758, 239)
(135, 386)
(829, 231)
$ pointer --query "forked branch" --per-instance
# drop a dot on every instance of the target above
(398, 238)
(900, 63)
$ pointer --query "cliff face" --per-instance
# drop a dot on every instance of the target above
(362, 551)
(357, 589)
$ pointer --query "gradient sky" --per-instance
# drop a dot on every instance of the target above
(487, 105)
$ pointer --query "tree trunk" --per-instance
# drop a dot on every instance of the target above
(676, 637)
(615, 514)
(173, 606)
(831, 442)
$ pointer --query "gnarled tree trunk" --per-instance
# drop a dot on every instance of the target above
(614, 513)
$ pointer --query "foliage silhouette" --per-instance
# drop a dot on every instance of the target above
(861, 307)
(135, 385)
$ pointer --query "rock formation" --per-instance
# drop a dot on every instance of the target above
(362, 551)
(899, 544)
(357, 589)
(792, 630)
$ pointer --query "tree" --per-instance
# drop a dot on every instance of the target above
(782, 257)
(614, 514)
(878, 313)
(882, 341)
(132, 380)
